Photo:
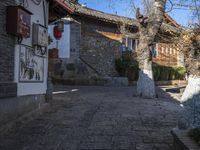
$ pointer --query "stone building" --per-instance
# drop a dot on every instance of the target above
(94, 44)
(24, 56)
(96, 39)
(7, 85)
(23, 63)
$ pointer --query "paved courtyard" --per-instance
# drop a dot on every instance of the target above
(98, 118)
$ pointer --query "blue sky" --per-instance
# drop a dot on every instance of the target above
(123, 8)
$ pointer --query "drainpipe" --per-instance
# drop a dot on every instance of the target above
(49, 91)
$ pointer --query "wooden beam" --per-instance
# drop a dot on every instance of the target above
(65, 5)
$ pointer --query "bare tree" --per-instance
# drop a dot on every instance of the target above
(150, 23)
(189, 43)
(190, 5)
(148, 5)
(148, 29)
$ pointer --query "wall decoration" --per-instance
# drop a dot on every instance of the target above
(18, 21)
(31, 66)
(40, 35)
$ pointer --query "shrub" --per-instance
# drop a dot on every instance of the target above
(132, 73)
(164, 73)
(127, 66)
(180, 72)
(120, 66)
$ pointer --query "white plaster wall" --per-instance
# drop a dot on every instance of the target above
(34, 87)
(63, 43)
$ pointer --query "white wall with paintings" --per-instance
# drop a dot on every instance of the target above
(31, 67)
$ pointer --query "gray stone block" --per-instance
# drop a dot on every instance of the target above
(116, 81)
(8, 89)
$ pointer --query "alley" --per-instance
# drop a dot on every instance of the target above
(98, 118)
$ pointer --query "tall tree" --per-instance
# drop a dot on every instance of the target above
(148, 29)
(189, 44)
(192, 56)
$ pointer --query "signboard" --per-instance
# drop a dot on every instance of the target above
(18, 21)
(40, 35)
(23, 27)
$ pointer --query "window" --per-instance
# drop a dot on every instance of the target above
(124, 41)
(124, 44)
(134, 45)
(174, 51)
(130, 44)
(162, 50)
(154, 51)
(157, 50)
(170, 51)
(166, 50)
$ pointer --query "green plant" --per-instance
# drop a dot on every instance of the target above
(127, 66)
(132, 73)
(120, 67)
(180, 72)
(164, 73)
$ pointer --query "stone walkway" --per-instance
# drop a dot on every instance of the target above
(98, 118)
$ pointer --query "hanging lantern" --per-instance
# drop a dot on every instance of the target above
(57, 34)
(60, 25)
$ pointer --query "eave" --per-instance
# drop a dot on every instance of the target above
(59, 9)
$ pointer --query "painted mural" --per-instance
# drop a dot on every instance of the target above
(31, 65)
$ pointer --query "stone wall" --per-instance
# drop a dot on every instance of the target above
(12, 109)
(13, 106)
(181, 140)
(7, 45)
(8, 89)
(100, 45)
(93, 48)
(74, 40)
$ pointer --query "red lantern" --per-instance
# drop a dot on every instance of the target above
(57, 34)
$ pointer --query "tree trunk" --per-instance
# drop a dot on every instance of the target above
(191, 95)
(190, 115)
(192, 90)
(148, 29)
(145, 84)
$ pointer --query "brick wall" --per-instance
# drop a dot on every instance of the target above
(74, 40)
(7, 44)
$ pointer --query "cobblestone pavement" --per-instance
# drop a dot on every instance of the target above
(98, 118)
